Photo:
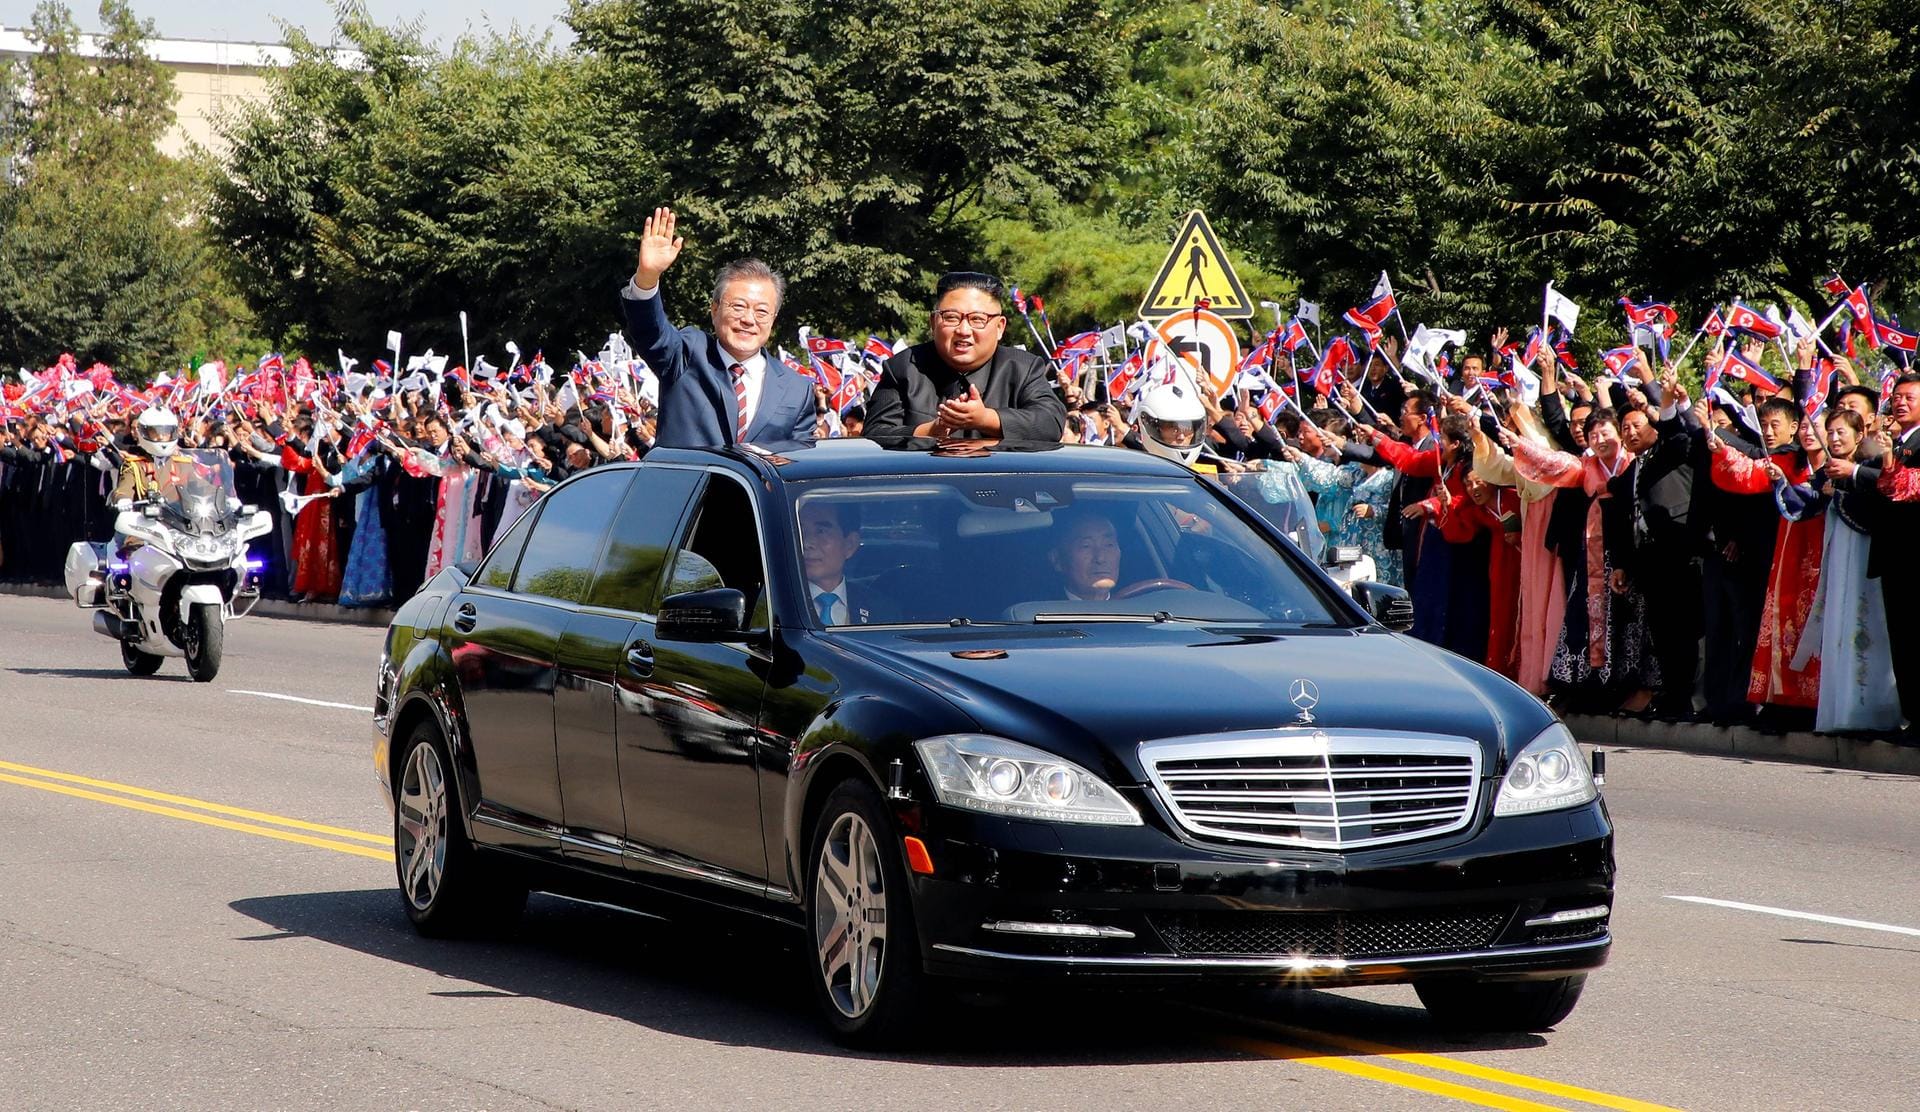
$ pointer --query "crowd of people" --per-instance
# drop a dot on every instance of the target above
(1618, 545)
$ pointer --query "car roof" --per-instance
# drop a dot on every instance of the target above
(859, 457)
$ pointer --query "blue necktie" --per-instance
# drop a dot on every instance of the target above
(824, 602)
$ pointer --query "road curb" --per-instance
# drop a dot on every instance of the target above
(266, 608)
(1826, 750)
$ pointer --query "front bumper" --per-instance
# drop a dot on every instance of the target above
(1144, 902)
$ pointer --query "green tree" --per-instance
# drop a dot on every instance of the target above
(100, 251)
(397, 188)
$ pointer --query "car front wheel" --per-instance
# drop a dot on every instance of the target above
(1501, 1005)
(865, 953)
(444, 881)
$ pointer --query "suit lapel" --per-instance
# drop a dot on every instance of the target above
(776, 387)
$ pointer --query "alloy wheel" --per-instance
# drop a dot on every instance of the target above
(421, 818)
(850, 915)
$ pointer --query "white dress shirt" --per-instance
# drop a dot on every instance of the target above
(753, 367)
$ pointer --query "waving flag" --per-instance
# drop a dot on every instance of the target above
(1308, 310)
(1822, 383)
(1715, 324)
(1618, 360)
(1076, 346)
(1123, 379)
(825, 345)
(1261, 355)
(1861, 310)
(1641, 314)
(1836, 285)
(1295, 338)
(1561, 308)
(1369, 317)
(1895, 338)
(1338, 356)
(1737, 366)
(1743, 318)
(825, 373)
(877, 349)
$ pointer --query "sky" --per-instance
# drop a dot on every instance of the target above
(253, 21)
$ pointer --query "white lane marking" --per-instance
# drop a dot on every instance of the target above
(298, 699)
(1789, 914)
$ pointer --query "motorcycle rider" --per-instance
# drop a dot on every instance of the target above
(156, 438)
(1169, 420)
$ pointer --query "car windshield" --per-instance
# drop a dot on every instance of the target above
(1042, 548)
(1280, 498)
(196, 484)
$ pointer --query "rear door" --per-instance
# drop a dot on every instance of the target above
(688, 728)
(504, 642)
(602, 653)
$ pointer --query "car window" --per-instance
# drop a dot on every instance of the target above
(629, 575)
(983, 548)
(497, 572)
(565, 545)
(722, 548)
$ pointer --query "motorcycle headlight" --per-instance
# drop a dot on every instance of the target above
(1550, 774)
(1001, 777)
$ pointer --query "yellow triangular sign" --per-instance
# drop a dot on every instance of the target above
(1196, 271)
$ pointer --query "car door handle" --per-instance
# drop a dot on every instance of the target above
(640, 658)
(466, 618)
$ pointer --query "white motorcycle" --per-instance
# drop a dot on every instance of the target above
(183, 571)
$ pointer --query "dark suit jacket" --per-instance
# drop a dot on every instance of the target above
(1893, 527)
(1018, 384)
(696, 390)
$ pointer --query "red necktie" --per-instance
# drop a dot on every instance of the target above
(740, 397)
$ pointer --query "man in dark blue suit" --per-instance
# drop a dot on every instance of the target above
(722, 388)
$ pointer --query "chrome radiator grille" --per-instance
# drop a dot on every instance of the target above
(1328, 789)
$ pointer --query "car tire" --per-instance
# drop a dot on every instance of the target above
(448, 887)
(1517, 1006)
(863, 953)
(138, 662)
(205, 640)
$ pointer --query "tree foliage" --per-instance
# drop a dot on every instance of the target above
(100, 250)
(1640, 147)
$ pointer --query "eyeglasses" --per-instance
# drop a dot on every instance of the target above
(952, 318)
(759, 314)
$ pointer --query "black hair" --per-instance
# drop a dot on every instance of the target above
(969, 280)
(1780, 405)
(1601, 415)
(854, 413)
(846, 515)
(1906, 377)
(1422, 400)
(1867, 392)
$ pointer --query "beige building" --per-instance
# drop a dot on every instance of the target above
(211, 77)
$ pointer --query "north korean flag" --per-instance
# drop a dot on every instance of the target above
(1618, 360)
(1753, 323)
(1738, 366)
(877, 350)
(1861, 310)
(1338, 356)
(1896, 337)
(1122, 379)
(1295, 338)
(1642, 314)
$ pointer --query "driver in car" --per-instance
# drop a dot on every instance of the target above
(1087, 556)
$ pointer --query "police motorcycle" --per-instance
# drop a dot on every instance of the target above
(1172, 424)
(178, 570)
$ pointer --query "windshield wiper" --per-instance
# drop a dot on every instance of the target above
(1063, 616)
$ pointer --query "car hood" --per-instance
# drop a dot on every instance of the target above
(1092, 693)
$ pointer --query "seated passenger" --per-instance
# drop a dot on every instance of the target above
(829, 536)
(1086, 553)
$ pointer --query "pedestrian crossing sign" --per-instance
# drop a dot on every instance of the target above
(1196, 273)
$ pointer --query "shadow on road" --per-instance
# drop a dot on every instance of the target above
(744, 985)
(99, 674)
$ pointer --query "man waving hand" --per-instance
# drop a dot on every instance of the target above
(722, 388)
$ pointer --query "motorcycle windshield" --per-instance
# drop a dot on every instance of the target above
(195, 485)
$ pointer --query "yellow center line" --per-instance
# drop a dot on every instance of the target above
(1474, 1070)
(205, 820)
(1384, 1075)
(201, 804)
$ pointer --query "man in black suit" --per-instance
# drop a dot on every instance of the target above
(829, 536)
(1895, 531)
(722, 388)
(964, 384)
(1654, 541)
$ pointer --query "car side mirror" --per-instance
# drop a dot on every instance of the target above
(714, 615)
(1389, 605)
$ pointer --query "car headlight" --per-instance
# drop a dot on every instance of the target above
(1550, 774)
(1002, 777)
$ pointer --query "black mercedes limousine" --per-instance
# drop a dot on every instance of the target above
(998, 713)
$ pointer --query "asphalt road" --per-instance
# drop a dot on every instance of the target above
(197, 911)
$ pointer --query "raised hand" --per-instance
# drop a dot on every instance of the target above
(658, 248)
(1499, 339)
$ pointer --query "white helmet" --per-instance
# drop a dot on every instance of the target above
(159, 432)
(1171, 420)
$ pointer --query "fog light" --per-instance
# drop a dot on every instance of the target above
(1577, 915)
